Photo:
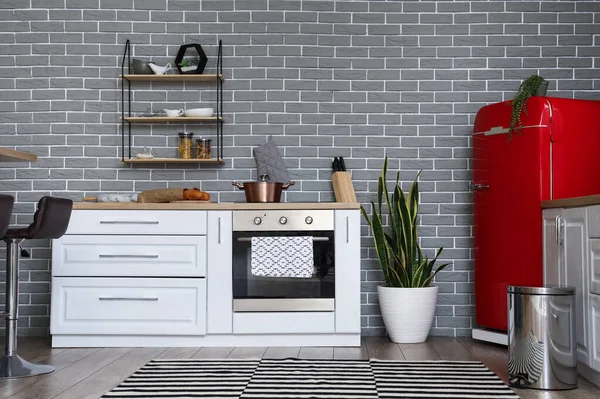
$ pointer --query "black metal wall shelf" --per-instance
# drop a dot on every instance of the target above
(127, 118)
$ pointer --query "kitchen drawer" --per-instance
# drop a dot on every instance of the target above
(283, 322)
(138, 222)
(124, 306)
(132, 256)
(593, 221)
(595, 266)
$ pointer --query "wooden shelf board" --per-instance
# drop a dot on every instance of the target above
(10, 155)
(169, 119)
(174, 78)
(173, 160)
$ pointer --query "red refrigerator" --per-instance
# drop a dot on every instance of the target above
(557, 156)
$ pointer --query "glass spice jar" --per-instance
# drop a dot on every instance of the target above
(185, 145)
(203, 148)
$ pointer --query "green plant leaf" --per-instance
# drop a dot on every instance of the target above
(397, 244)
(519, 103)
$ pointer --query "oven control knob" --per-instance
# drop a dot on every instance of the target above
(308, 220)
(257, 220)
(282, 220)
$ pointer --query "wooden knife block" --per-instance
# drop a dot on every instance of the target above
(342, 187)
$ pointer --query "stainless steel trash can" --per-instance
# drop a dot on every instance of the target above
(542, 353)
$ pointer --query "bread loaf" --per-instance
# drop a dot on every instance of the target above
(195, 194)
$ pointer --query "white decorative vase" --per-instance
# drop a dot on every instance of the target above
(407, 312)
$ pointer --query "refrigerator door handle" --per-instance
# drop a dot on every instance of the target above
(475, 186)
(560, 226)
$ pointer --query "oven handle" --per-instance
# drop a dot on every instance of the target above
(248, 239)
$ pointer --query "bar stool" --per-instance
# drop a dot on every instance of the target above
(6, 207)
(49, 221)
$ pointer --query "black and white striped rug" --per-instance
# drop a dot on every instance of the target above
(296, 378)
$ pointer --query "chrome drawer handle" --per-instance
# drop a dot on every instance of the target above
(127, 256)
(129, 222)
(116, 298)
(347, 229)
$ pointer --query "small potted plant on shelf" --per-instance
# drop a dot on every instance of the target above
(407, 301)
(534, 85)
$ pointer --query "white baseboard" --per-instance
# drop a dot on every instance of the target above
(490, 336)
(110, 341)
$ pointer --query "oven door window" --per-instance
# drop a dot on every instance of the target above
(321, 284)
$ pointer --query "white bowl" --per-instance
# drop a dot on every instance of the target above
(199, 112)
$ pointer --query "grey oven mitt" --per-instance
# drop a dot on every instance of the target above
(269, 162)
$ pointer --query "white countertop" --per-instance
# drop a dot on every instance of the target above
(215, 205)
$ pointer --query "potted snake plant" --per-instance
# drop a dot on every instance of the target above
(534, 85)
(407, 301)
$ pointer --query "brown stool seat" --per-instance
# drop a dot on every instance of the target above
(6, 207)
(50, 221)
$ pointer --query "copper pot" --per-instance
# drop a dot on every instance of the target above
(262, 191)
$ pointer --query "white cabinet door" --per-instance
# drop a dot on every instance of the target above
(128, 306)
(347, 271)
(575, 273)
(219, 277)
(552, 251)
(594, 330)
(595, 266)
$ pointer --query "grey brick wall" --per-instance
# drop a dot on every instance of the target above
(355, 78)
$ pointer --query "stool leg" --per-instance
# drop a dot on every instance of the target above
(11, 364)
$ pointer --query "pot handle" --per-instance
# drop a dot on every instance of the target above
(238, 185)
(287, 185)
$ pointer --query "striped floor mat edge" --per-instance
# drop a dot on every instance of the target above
(299, 378)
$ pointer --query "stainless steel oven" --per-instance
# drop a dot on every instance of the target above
(260, 293)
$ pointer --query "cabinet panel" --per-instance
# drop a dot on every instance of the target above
(138, 222)
(575, 273)
(136, 306)
(594, 221)
(220, 280)
(347, 271)
(553, 259)
(595, 266)
(284, 323)
(133, 256)
(595, 332)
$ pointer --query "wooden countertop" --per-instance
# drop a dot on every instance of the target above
(10, 155)
(216, 206)
(571, 202)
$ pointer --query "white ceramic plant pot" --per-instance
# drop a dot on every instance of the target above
(407, 312)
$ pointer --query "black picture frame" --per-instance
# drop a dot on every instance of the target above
(183, 54)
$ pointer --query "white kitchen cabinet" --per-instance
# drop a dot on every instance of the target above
(574, 273)
(132, 306)
(137, 222)
(123, 278)
(347, 271)
(219, 292)
(595, 266)
(123, 255)
(572, 257)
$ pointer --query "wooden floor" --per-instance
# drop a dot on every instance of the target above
(89, 373)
